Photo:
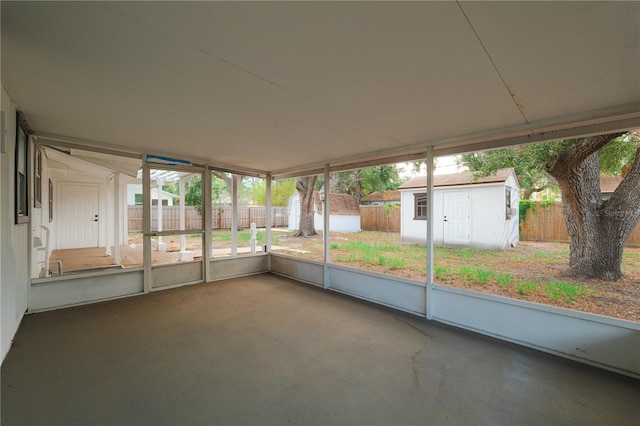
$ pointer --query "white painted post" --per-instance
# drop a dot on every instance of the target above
(161, 246)
(326, 225)
(183, 255)
(252, 241)
(117, 260)
(146, 226)
(108, 219)
(183, 238)
(429, 299)
(235, 216)
(268, 213)
(206, 216)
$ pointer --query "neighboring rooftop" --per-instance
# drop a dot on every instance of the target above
(609, 183)
(339, 204)
(381, 196)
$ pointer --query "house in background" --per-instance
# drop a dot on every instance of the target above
(468, 212)
(75, 202)
(344, 213)
(134, 196)
(608, 185)
(381, 198)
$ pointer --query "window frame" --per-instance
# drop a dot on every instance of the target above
(21, 176)
(37, 178)
(507, 201)
(420, 206)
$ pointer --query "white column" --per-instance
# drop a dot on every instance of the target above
(235, 216)
(429, 292)
(146, 226)
(206, 217)
(268, 213)
(184, 255)
(161, 246)
(117, 259)
(108, 219)
(326, 224)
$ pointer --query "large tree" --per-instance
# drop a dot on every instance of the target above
(306, 186)
(598, 229)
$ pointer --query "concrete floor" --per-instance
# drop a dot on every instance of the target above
(268, 350)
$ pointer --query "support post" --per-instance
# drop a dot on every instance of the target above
(117, 259)
(161, 246)
(234, 214)
(146, 226)
(268, 213)
(326, 225)
(108, 218)
(207, 218)
(429, 289)
(183, 255)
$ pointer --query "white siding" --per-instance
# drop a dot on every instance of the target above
(14, 239)
(488, 226)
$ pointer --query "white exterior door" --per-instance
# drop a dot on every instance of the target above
(79, 215)
(456, 218)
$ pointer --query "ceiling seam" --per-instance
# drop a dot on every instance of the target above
(513, 97)
(255, 75)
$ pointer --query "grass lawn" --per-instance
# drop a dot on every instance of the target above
(533, 271)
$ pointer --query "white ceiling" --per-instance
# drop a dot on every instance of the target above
(289, 86)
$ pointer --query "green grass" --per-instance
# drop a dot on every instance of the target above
(562, 291)
(476, 275)
(391, 262)
(527, 287)
(442, 273)
(504, 280)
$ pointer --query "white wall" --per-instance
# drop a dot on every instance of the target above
(338, 222)
(14, 239)
(488, 226)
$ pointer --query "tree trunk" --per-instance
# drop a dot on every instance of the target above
(305, 187)
(597, 229)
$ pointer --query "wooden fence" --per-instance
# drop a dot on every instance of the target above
(221, 217)
(547, 224)
(380, 218)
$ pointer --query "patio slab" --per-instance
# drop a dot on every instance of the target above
(269, 350)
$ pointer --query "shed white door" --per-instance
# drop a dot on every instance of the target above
(456, 218)
(78, 213)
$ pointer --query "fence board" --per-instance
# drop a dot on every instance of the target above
(547, 224)
(380, 218)
(220, 218)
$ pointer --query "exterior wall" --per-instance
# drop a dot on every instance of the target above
(14, 239)
(337, 223)
(136, 188)
(488, 227)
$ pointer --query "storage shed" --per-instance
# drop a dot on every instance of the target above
(469, 212)
(344, 213)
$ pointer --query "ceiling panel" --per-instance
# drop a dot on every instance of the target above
(286, 85)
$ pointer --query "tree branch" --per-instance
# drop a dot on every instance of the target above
(574, 156)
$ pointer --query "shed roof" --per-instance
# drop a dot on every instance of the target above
(454, 179)
(609, 183)
(339, 204)
(383, 196)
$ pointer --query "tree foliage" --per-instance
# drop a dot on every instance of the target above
(530, 161)
(362, 182)
(281, 190)
(598, 229)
